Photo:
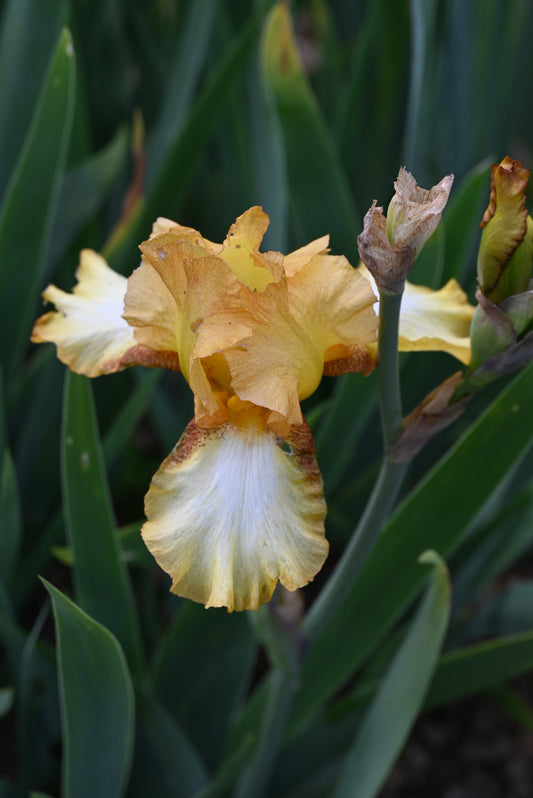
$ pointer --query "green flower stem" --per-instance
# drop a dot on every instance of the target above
(390, 398)
(255, 779)
(387, 485)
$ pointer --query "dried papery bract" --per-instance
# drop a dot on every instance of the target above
(430, 417)
(390, 246)
(414, 212)
(388, 264)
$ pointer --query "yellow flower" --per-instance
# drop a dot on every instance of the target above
(238, 504)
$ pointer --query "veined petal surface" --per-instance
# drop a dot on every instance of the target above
(230, 513)
(294, 261)
(164, 225)
(270, 366)
(318, 321)
(91, 336)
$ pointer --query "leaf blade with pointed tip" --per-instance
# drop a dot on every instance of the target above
(96, 702)
(31, 199)
(29, 31)
(437, 513)
(101, 581)
(311, 155)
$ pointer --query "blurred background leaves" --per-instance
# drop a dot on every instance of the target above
(112, 113)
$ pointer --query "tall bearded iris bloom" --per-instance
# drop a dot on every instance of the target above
(238, 504)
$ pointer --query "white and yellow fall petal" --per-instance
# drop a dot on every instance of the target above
(87, 326)
(432, 320)
(230, 514)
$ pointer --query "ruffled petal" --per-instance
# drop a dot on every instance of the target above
(277, 361)
(333, 304)
(163, 225)
(320, 320)
(177, 302)
(91, 336)
(241, 251)
(230, 513)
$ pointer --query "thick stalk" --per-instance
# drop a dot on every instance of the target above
(390, 398)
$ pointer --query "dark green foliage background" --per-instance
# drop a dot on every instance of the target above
(174, 105)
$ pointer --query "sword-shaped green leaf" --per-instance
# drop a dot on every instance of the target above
(28, 34)
(437, 513)
(312, 159)
(27, 212)
(101, 582)
(97, 704)
(386, 725)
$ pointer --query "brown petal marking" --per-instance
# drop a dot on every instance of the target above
(363, 360)
(140, 355)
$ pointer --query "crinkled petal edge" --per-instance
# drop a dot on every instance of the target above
(234, 510)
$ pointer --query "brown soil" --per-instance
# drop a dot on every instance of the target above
(469, 749)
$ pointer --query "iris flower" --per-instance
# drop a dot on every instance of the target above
(238, 504)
